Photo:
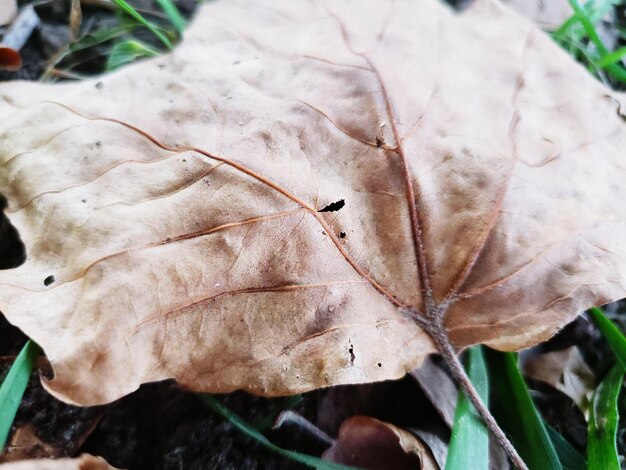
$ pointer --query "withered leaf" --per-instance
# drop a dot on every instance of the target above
(369, 443)
(171, 210)
(84, 462)
(548, 15)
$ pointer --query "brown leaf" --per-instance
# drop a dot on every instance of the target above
(373, 444)
(25, 444)
(84, 462)
(170, 211)
(565, 370)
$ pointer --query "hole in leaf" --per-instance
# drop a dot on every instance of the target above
(49, 280)
(352, 356)
(12, 249)
(333, 206)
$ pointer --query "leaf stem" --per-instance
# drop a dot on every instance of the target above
(440, 337)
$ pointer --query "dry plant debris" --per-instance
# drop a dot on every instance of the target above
(366, 442)
(306, 194)
(84, 462)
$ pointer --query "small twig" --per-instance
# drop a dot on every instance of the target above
(439, 335)
(292, 418)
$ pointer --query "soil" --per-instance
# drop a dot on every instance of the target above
(161, 426)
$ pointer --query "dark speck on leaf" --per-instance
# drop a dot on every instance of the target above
(49, 280)
(99, 85)
(342, 234)
(333, 206)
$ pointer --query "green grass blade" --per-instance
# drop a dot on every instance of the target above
(470, 437)
(128, 51)
(615, 70)
(13, 386)
(99, 37)
(141, 20)
(570, 458)
(612, 334)
(517, 414)
(588, 26)
(612, 58)
(173, 14)
(602, 426)
(595, 10)
(253, 433)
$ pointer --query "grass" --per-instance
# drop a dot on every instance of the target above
(122, 44)
(13, 387)
(602, 425)
(579, 35)
(254, 434)
(516, 413)
(470, 437)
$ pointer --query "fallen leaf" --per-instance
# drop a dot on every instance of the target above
(8, 11)
(373, 444)
(548, 14)
(565, 370)
(170, 210)
(25, 444)
(84, 462)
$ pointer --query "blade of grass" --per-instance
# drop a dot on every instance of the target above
(253, 433)
(570, 458)
(141, 20)
(470, 436)
(13, 386)
(173, 14)
(615, 70)
(595, 10)
(612, 58)
(613, 335)
(517, 414)
(129, 51)
(602, 426)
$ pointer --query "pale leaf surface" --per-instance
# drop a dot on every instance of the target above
(480, 168)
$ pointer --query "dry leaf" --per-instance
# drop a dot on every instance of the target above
(474, 171)
(84, 462)
(8, 11)
(76, 18)
(565, 370)
(548, 14)
(25, 444)
(373, 444)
